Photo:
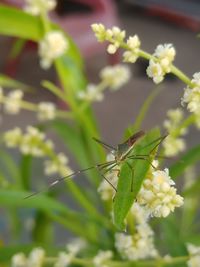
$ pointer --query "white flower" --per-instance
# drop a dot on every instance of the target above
(138, 246)
(51, 47)
(115, 36)
(192, 95)
(92, 93)
(57, 165)
(102, 257)
(46, 111)
(173, 145)
(158, 194)
(155, 71)
(32, 142)
(140, 213)
(100, 31)
(166, 54)
(36, 7)
(19, 260)
(12, 102)
(133, 44)
(13, 138)
(105, 189)
(64, 260)
(194, 251)
(75, 246)
(36, 257)
(115, 76)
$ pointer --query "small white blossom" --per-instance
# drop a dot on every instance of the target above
(46, 111)
(115, 36)
(158, 194)
(102, 257)
(13, 138)
(140, 213)
(32, 142)
(57, 165)
(173, 145)
(192, 95)
(155, 71)
(51, 47)
(36, 7)
(138, 246)
(105, 189)
(162, 62)
(12, 102)
(115, 76)
(75, 246)
(166, 54)
(36, 257)
(133, 44)
(64, 259)
(194, 251)
(19, 260)
(92, 93)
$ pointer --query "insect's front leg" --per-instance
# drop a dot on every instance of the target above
(132, 174)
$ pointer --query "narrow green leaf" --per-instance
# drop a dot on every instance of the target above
(189, 158)
(124, 197)
(11, 198)
(6, 81)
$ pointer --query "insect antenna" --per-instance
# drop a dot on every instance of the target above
(106, 146)
(99, 167)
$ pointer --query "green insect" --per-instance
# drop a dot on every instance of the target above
(122, 153)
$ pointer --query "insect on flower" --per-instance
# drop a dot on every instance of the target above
(122, 153)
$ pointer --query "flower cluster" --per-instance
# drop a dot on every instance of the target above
(158, 194)
(161, 62)
(33, 143)
(105, 190)
(12, 102)
(35, 259)
(102, 257)
(140, 245)
(115, 37)
(133, 46)
(194, 252)
(173, 144)
(52, 46)
(46, 111)
(191, 97)
(37, 7)
(112, 77)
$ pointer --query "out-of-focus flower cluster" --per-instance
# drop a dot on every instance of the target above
(112, 77)
(13, 102)
(191, 97)
(161, 62)
(139, 245)
(33, 143)
(37, 7)
(38, 257)
(52, 46)
(194, 252)
(100, 260)
(172, 143)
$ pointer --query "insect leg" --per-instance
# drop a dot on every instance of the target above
(132, 175)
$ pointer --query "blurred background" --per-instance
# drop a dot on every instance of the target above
(155, 22)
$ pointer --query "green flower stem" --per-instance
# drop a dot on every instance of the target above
(45, 22)
(149, 263)
(177, 72)
(184, 125)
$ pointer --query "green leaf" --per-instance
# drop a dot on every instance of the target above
(15, 22)
(6, 81)
(189, 158)
(124, 197)
(11, 198)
